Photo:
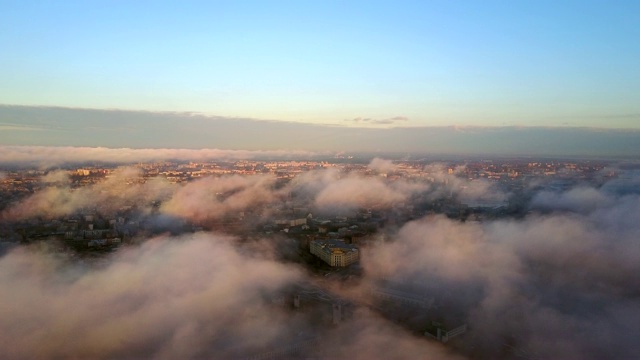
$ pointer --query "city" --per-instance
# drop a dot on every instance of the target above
(334, 221)
(462, 190)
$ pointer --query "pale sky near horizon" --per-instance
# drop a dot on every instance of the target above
(404, 63)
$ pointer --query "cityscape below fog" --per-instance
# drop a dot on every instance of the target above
(348, 254)
(437, 180)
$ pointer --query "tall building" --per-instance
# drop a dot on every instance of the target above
(335, 252)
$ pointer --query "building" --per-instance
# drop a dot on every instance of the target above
(293, 222)
(335, 252)
(443, 334)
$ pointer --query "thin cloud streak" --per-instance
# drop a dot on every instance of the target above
(54, 156)
(371, 121)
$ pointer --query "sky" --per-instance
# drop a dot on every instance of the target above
(486, 63)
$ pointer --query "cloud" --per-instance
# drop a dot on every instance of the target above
(445, 249)
(354, 191)
(211, 198)
(368, 336)
(389, 121)
(198, 296)
(400, 118)
(627, 181)
(152, 130)
(56, 176)
(558, 283)
(18, 127)
(465, 189)
(581, 199)
(359, 119)
(382, 165)
(190, 297)
(123, 187)
(386, 121)
(199, 201)
(330, 190)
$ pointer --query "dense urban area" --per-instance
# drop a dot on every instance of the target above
(325, 216)
(293, 214)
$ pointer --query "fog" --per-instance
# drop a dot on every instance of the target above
(116, 191)
(563, 281)
(168, 298)
(211, 198)
(558, 284)
(52, 156)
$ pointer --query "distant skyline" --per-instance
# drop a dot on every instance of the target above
(355, 64)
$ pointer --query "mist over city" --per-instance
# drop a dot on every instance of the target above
(319, 180)
(212, 259)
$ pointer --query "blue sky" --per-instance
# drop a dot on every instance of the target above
(435, 63)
